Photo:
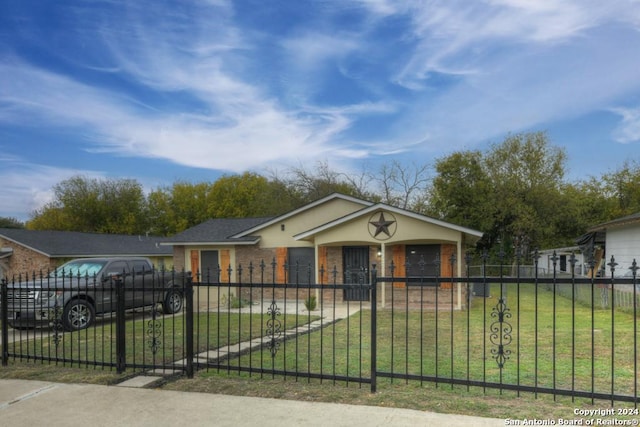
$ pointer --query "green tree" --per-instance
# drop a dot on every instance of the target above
(512, 193)
(462, 192)
(10, 222)
(584, 205)
(92, 205)
(176, 208)
(527, 174)
(246, 195)
(622, 187)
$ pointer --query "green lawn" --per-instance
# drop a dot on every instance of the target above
(165, 335)
(550, 344)
(550, 347)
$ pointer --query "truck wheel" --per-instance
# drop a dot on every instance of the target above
(78, 314)
(172, 302)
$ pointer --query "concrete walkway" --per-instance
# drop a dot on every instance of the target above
(25, 403)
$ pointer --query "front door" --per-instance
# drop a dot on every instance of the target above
(301, 266)
(210, 267)
(355, 261)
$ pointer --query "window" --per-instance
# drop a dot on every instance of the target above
(421, 260)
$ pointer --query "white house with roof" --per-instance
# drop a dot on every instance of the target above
(622, 241)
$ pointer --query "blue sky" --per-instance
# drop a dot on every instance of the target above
(161, 91)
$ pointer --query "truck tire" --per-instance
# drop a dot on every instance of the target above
(78, 314)
(172, 302)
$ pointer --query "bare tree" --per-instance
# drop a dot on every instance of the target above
(404, 186)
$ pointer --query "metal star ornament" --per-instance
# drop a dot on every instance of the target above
(382, 228)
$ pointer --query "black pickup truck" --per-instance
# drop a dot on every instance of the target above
(79, 290)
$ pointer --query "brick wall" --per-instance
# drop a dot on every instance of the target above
(25, 261)
(178, 259)
(252, 255)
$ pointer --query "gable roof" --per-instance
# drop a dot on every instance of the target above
(625, 220)
(301, 209)
(373, 208)
(58, 244)
(242, 231)
(218, 231)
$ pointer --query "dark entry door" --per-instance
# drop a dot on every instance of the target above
(301, 266)
(355, 260)
(209, 267)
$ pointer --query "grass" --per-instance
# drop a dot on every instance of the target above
(96, 346)
(551, 343)
(409, 343)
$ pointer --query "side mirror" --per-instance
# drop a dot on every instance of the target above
(112, 276)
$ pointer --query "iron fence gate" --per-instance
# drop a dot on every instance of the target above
(564, 335)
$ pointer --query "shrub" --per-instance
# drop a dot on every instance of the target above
(310, 303)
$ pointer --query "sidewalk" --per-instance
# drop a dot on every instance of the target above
(24, 403)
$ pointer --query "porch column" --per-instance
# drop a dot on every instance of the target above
(459, 272)
(382, 271)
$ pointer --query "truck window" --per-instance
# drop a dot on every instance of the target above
(117, 268)
(140, 267)
(78, 269)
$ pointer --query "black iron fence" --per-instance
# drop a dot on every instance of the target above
(527, 333)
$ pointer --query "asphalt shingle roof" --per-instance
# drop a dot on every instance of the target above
(218, 230)
(629, 219)
(76, 244)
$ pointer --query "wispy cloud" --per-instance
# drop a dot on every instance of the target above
(629, 129)
(214, 86)
(27, 186)
(461, 37)
(226, 114)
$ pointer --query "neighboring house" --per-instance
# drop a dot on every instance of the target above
(23, 252)
(562, 263)
(622, 241)
(337, 233)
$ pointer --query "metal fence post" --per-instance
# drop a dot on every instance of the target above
(374, 327)
(4, 294)
(120, 326)
(188, 295)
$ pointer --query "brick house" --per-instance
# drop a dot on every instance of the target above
(338, 235)
(25, 252)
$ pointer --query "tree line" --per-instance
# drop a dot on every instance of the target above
(515, 192)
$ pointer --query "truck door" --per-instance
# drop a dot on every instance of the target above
(147, 290)
(121, 269)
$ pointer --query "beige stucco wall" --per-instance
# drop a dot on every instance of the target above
(408, 230)
(274, 236)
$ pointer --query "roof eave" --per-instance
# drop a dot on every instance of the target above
(212, 243)
(26, 246)
(373, 208)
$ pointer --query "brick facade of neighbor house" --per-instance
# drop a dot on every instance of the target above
(25, 262)
(28, 252)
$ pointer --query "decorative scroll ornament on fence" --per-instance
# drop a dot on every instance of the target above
(154, 332)
(501, 333)
(501, 329)
(56, 324)
(274, 328)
